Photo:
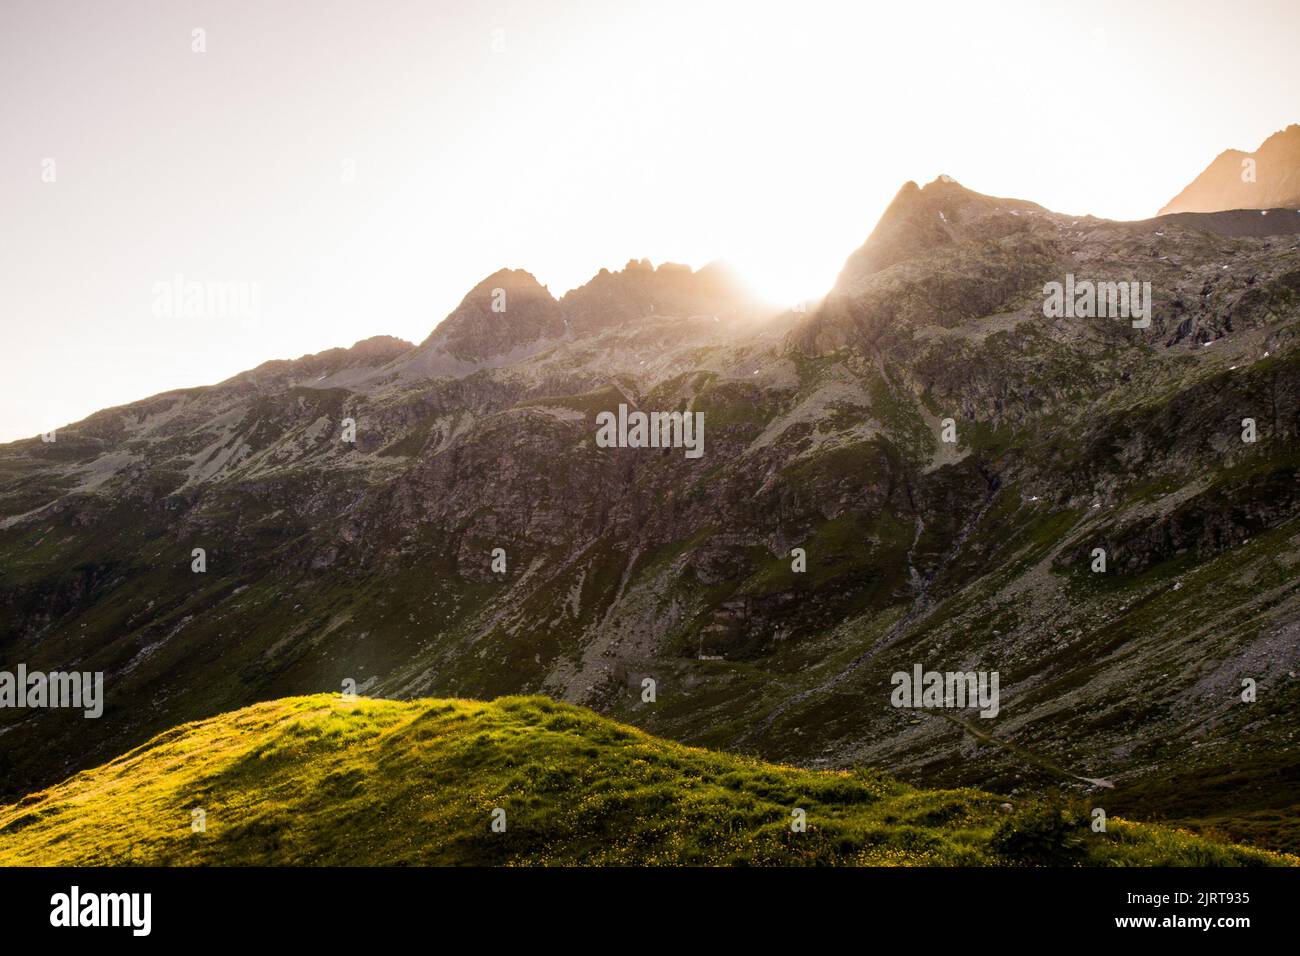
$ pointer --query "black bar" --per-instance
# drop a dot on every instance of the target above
(348, 907)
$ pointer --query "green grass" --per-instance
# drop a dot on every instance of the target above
(321, 780)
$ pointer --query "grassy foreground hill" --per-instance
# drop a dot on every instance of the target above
(322, 780)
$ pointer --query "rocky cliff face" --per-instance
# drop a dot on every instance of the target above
(507, 313)
(376, 560)
(1268, 178)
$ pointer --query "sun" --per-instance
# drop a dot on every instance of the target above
(785, 284)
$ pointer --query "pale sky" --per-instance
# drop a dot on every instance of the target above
(557, 137)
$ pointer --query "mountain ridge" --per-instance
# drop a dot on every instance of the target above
(372, 560)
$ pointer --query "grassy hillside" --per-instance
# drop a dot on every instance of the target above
(321, 780)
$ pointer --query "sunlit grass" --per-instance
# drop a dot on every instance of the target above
(321, 780)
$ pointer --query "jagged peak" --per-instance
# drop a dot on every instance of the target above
(1291, 131)
(640, 267)
(943, 180)
(507, 311)
(491, 300)
(641, 288)
(922, 218)
(512, 280)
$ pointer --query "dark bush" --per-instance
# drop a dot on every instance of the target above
(1043, 834)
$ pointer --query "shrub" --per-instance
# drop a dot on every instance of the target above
(1043, 834)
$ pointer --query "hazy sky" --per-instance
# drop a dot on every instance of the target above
(558, 137)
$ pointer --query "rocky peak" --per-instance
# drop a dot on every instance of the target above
(508, 309)
(612, 299)
(921, 220)
(1231, 182)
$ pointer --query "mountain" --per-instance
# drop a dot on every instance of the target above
(373, 561)
(507, 315)
(1267, 179)
(323, 781)
(933, 221)
(614, 299)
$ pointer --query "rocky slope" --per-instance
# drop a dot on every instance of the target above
(372, 561)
